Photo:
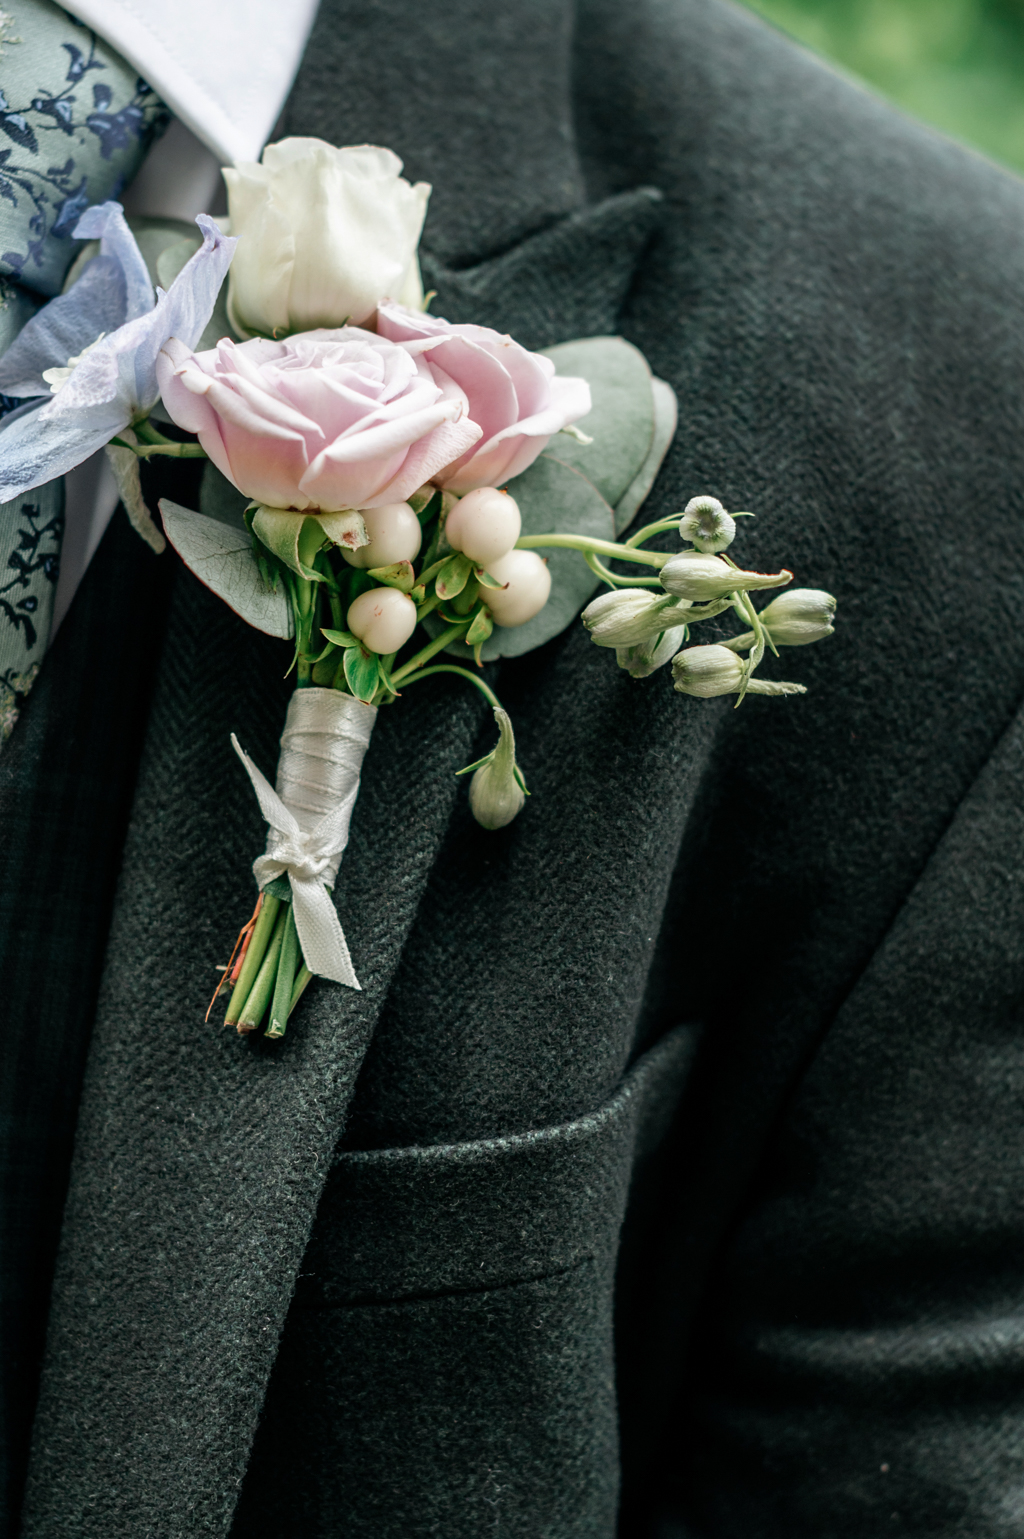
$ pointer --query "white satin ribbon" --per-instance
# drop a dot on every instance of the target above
(325, 738)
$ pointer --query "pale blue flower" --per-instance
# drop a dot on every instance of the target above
(107, 332)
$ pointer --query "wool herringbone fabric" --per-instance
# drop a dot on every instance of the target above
(828, 886)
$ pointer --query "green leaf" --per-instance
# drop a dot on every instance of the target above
(361, 672)
(347, 529)
(480, 629)
(486, 580)
(665, 417)
(621, 422)
(399, 575)
(294, 538)
(340, 638)
(280, 888)
(222, 558)
(453, 576)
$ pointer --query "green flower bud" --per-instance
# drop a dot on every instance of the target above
(707, 671)
(799, 617)
(692, 575)
(628, 617)
(707, 524)
(497, 791)
(648, 656)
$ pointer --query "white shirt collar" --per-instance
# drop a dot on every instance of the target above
(224, 67)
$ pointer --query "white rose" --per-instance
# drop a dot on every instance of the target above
(325, 234)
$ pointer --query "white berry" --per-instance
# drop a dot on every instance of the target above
(484, 525)
(395, 535)
(383, 619)
(528, 585)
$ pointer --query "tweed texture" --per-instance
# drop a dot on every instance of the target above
(66, 780)
(236, 1135)
(835, 295)
(483, 1306)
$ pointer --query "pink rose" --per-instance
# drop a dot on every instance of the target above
(327, 419)
(515, 396)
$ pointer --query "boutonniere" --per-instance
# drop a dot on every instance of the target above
(416, 497)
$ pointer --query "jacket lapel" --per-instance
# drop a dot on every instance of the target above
(200, 1156)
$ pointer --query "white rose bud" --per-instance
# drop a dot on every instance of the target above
(325, 235)
(646, 658)
(707, 671)
(692, 575)
(527, 587)
(628, 617)
(394, 534)
(497, 790)
(799, 617)
(484, 525)
(383, 619)
(707, 524)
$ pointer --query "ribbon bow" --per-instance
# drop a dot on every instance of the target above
(305, 856)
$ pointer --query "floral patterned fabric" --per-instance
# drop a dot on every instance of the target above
(75, 124)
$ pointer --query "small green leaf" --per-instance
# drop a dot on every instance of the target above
(347, 529)
(453, 576)
(399, 575)
(480, 629)
(293, 537)
(486, 580)
(362, 672)
(340, 638)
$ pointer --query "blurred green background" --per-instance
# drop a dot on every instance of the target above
(958, 64)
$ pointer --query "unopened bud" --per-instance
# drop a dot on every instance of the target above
(628, 617)
(648, 656)
(497, 791)
(692, 575)
(707, 671)
(799, 617)
(707, 524)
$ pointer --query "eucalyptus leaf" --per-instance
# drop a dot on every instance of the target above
(621, 421)
(223, 560)
(666, 415)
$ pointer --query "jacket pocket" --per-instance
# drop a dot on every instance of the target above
(446, 1367)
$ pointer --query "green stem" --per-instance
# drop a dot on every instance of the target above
(283, 988)
(438, 645)
(597, 566)
(177, 451)
(148, 434)
(253, 957)
(259, 996)
(302, 982)
(650, 530)
(464, 673)
(600, 548)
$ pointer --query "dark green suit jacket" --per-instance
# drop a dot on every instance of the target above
(714, 1057)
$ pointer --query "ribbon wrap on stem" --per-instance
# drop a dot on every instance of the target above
(325, 738)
